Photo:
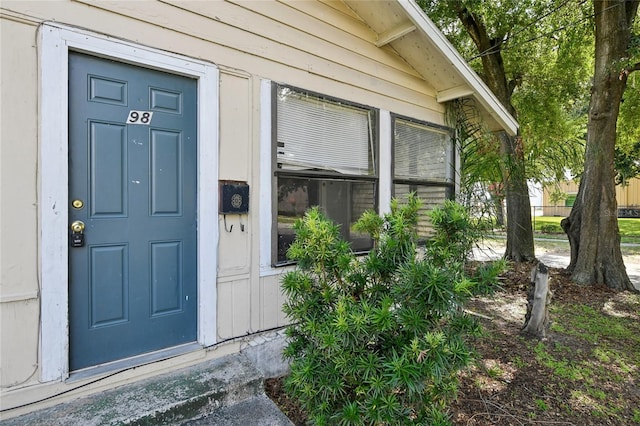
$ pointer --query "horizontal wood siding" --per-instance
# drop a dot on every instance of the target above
(341, 37)
(627, 195)
(320, 46)
(278, 33)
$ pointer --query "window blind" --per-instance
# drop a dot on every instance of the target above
(421, 152)
(314, 133)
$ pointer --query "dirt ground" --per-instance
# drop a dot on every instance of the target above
(560, 380)
(582, 373)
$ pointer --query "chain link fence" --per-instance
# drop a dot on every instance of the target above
(564, 211)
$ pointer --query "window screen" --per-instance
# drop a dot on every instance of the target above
(421, 152)
(423, 163)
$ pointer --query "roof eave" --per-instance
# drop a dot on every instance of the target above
(476, 87)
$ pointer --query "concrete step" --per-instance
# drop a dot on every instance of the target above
(256, 411)
(212, 391)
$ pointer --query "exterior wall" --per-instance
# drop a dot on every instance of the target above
(629, 195)
(626, 196)
(318, 46)
(19, 290)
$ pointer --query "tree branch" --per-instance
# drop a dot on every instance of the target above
(476, 30)
(479, 33)
(631, 8)
(626, 71)
(489, 49)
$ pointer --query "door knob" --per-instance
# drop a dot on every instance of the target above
(77, 227)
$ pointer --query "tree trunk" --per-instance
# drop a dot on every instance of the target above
(537, 317)
(592, 226)
(520, 246)
(519, 230)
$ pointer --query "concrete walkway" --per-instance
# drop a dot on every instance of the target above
(555, 255)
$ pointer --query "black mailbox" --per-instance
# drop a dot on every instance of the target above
(234, 197)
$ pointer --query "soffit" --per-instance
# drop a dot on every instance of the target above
(402, 25)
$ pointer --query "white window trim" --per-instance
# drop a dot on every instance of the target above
(55, 41)
(386, 159)
(266, 174)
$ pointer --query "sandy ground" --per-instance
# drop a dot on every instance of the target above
(555, 255)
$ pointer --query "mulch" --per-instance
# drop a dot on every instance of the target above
(505, 386)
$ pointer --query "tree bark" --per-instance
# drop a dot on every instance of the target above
(592, 226)
(520, 246)
(519, 228)
(537, 317)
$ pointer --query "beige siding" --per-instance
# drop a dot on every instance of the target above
(235, 126)
(234, 301)
(18, 205)
(17, 159)
(272, 299)
(366, 74)
(318, 46)
(267, 34)
(235, 162)
(19, 328)
(627, 195)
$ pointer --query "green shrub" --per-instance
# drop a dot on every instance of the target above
(550, 228)
(380, 339)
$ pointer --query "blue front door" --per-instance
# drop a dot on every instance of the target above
(132, 184)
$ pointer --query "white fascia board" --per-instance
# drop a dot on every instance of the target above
(483, 94)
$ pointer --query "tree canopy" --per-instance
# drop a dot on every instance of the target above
(547, 51)
(628, 131)
(563, 69)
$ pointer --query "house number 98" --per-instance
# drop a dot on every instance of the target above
(140, 117)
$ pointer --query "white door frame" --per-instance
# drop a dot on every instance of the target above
(55, 41)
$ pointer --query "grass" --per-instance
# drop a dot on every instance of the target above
(629, 228)
(603, 354)
(586, 372)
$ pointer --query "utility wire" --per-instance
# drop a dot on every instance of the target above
(535, 21)
(497, 48)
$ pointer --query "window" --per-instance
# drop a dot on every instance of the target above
(424, 163)
(325, 155)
